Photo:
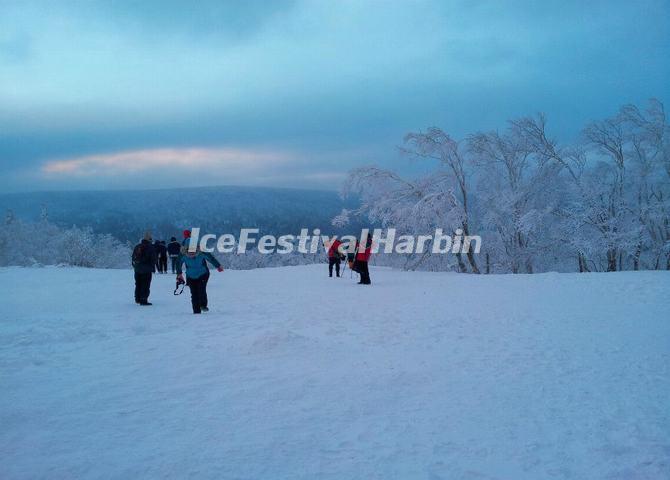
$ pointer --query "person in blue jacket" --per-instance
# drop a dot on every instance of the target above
(197, 275)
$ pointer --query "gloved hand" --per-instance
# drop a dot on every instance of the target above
(180, 278)
(219, 269)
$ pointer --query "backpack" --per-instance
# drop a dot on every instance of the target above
(139, 254)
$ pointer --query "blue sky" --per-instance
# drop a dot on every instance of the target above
(157, 94)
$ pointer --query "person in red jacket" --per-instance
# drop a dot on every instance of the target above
(187, 238)
(361, 263)
(334, 258)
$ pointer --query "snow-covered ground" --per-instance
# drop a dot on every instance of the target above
(293, 375)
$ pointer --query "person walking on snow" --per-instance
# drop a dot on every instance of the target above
(361, 263)
(197, 275)
(144, 265)
(174, 250)
(162, 257)
(157, 249)
(334, 258)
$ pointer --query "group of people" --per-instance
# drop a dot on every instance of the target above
(151, 256)
(172, 251)
(357, 261)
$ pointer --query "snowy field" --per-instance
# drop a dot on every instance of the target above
(293, 375)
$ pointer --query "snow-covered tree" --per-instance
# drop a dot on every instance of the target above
(516, 193)
(411, 207)
(601, 204)
(647, 145)
(43, 243)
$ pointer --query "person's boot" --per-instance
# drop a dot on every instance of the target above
(204, 309)
(145, 303)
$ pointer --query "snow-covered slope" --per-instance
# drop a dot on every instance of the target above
(296, 375)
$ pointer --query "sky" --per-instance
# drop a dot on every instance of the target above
(163, 94)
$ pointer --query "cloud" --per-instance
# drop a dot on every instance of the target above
(312, 77)
(176, 159)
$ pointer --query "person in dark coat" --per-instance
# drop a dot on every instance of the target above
(334, 258)
(158, 255)
(197, 275)
(162, 256)
(173, 250)
(144, 265)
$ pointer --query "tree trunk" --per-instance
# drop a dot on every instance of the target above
(472, 261)
(488, 263)
(583, 267)
(529, 266)
(611, 260)
(470, 254)
(461, 266)
(636, 257)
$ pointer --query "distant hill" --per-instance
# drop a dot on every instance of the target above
(126, 214)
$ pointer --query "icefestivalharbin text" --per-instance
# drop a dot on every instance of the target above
(383, 241)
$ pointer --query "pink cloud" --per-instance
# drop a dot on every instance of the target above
(240, 160)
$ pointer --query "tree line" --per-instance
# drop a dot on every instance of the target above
(43, 242)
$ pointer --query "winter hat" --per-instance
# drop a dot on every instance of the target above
(173, 239)
(187, 233)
